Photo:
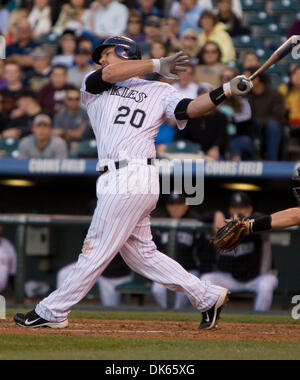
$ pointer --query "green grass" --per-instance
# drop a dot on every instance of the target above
(73, 348)
(172, 316)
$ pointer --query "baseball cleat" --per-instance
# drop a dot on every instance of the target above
(33, 320)
(211, 316)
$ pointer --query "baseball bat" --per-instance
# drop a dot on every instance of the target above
(280, 53)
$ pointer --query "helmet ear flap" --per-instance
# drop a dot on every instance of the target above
(122, 51)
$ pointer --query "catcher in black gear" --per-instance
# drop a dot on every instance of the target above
(236, 228)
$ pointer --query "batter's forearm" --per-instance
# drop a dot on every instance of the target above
(119, 72)
(208, 102)
(200, 106)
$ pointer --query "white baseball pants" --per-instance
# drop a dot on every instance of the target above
(106, 285)
(159, 293)
(121, 223)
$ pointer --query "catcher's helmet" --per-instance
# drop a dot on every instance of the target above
(125, 48)
(296, 189)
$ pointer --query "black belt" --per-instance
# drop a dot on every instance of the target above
(120, 165)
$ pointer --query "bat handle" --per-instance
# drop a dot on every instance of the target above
(242, 86)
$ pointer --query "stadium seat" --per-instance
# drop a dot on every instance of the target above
(253, 5)
(284, 6)
(9, 147)
(259, 18)
(287, 19)
(247, 42)
(279, 69)
(263, 54)
(86, 149)
(140, 286)
(276, 80)
(268, 31)
(183, 146)
(273, 43)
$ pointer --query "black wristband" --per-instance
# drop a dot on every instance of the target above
(263, 223)
(181, 108)
(217, 96)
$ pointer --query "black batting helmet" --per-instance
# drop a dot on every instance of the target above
(296, 190)
(125, 48)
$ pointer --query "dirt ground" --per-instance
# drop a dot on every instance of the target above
(163, 330)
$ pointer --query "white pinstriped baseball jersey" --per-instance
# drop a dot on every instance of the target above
(127, 117)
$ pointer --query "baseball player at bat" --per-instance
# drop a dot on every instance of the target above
(125, 113)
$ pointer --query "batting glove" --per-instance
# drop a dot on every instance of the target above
(239, 85)
(168, 67)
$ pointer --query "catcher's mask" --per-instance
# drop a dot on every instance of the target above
(125, 48)
(296, 189)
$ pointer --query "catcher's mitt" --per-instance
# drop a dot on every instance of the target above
(231, 235)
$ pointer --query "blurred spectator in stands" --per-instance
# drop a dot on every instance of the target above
(188, 13)
(291, 94)
(135, 27)
(268, 112)
(190, 45)
(40, 18)
(12, 75)
(21, 118)
(239, 115)
(4, 18)
(39, 76)
(72, 122)
(20, 50)
(15, 16)
(209, 130)
(249, 267)
(148, 8)
(66, 50)
(42, 143)
(166, 135)
(170, 33)
(152, 31)
(72, 16)
(8, 105)
(3, 81)
(116, 273)
(52, 96)
(210, 65)
(212, 5)
(250, 60)
(216, 31)
(185, 85)
(107, 18)
(186, 247)
(77, 73)
(226, 15)
(3, 116)
(158, 50)
(84, 42)
(8, 262)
